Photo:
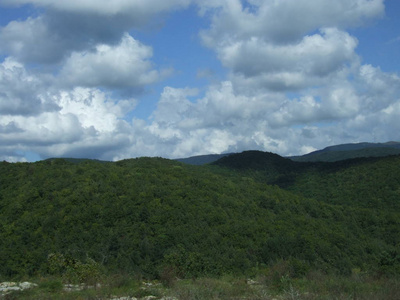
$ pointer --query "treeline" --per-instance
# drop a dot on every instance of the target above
(149, 215)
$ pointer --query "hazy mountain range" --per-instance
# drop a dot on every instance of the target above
(331, 153)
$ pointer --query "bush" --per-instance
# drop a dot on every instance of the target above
(168, 276)
(74, 271)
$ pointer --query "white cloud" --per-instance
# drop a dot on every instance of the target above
(124, 65)
(88, 123)
(383, 88)
(47, 39)
(221, 121)
(318, 54)
(283, 21)
(106, 7)
(67, 26)
(30, 40)
(91, 124)
(93, 109)
(174, 105)
(295, 81)
(258, 64)
(20, 91)
(285, 45)
(224, 120)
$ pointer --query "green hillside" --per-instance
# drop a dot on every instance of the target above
(362, 182)
(148, 215)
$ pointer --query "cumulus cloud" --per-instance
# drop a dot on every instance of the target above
(30, 41)
(221, 121)
(47, 39)
(94, 109)
(20, 91)
(282, 21)
(270, 49)
(255, 63)
(318, 54)
(295, 81)
(124, 65)
(138, 8)
(285, 45)
(88, 122)
(91, 124)
(68, 26)
(227, 121)
(57, 109)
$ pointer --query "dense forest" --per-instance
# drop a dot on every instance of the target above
(239, 215)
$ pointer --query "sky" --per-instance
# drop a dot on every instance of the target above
(119, 79)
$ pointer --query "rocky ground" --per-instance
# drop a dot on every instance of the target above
(9, 287)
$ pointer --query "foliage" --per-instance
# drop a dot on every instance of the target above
(74, 271)
(164, 219)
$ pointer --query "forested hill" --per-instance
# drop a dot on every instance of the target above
(367, 182)
(260, 161)
(146, 215)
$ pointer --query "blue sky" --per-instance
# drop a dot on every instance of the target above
(379, 41)
(175, 78)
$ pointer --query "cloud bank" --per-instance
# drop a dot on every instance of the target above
(73, 75)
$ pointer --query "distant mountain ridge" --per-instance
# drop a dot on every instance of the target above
(202, 159)
(328, 154)
(348, 151)
(358, 146)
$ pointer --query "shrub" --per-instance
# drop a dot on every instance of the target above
(74, 271)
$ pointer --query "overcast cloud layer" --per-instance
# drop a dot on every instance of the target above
(72, 75)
